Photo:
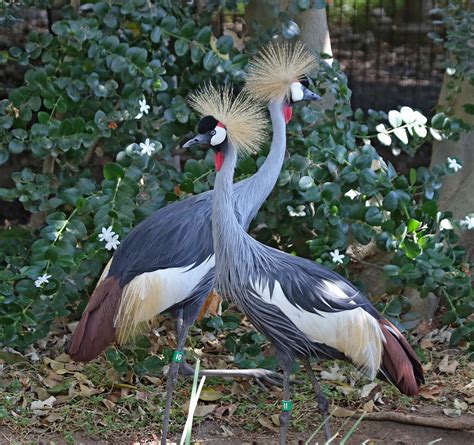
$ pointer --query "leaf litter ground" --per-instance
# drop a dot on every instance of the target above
(48, 398)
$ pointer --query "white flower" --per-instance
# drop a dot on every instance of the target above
(43, 279)
(144, 108)
(107, 234)
(337, 257)
(468, 223)
(110, 238)
(352, 194)
(445, 224)
(454, 164)
(396, 151)
(147, 147)
(299, 211)
(112, 243)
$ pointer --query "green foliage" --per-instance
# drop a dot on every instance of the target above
(95, 158)
(457, 20)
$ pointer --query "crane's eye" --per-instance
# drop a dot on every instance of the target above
(212, 132)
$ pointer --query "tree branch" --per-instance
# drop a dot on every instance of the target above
(461, 423)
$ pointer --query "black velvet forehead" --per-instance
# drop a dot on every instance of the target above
(207, 123)
(305, 81)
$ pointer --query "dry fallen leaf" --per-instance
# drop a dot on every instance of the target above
(430, 393)
(338, 411)
(86, 391)
(369, 390)
(448, 368)
(236, 388)
(63, 358)
(204, 410)
(41, 407)
(275, 419)
(427, 366)
(141, 395)
(53, 417)
(459, 404)
(266, 423)
(333, 374)
(368, 407)
(108, 404)
(345, 389)
(41, 393)
(451, 412)
(426, 344)
(229, 409)
(210, 395)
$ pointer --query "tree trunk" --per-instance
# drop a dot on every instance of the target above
(312, 22)
(314, 31)
(457, 194)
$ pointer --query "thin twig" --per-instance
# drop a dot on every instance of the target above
(90, 152)
(366, 263)
(462, 423)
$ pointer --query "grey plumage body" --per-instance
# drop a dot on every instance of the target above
(180, 234)
(241, 262)
(304, 309)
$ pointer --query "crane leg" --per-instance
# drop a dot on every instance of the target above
(285, 413)
(171, 378)
(323, 403)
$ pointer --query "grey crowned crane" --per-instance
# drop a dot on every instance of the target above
(304, 309)
(166, 263)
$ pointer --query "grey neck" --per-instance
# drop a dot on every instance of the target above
(228, 235)
(260, 185)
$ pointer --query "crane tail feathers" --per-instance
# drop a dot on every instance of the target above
(400, 364)
(96, 329)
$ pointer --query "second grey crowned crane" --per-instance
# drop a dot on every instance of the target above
(304, 309)
(166, 263)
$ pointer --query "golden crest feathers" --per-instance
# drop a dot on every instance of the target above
(245, 119)
(271, 72)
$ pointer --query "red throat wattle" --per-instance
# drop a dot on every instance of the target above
(218, 160)
(287, 112)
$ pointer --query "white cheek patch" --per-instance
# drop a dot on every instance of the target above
(219, 137)
(296, 89)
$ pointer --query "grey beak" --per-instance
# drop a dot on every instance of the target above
(309, 95)
(201, 139)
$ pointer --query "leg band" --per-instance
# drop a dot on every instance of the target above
(286, 405)
(177, 356)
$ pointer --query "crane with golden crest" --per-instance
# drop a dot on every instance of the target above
(304, 309)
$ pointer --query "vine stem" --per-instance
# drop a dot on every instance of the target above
(119, 180)
(59, 233)
(177, 36)
(451, 305)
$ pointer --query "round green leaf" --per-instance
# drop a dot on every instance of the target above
(374, 216)
(156, 34)
(390, 202)
(113, 171)
(16, 146)
(305, 183)
(181, 47)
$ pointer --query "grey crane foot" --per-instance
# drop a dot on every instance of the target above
(272, 377)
